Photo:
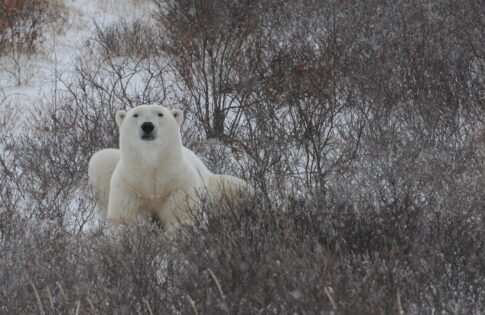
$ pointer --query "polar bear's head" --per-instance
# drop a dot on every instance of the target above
(152, 125)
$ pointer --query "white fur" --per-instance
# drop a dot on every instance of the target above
(100, 169)
(154, 178)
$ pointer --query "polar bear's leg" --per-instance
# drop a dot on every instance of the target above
(179, 208)
(228, 190)
(124, 207)
(100, 169)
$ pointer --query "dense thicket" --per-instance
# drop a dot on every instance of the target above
(359, 123)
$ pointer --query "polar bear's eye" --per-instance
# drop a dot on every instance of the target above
(135, 115)
(160, 115)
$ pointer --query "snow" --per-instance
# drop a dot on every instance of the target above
(27, 80)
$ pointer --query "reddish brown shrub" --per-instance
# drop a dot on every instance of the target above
(22, 23)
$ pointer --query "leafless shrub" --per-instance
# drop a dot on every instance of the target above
(23, 24)
(359, 124)
(128, 72)
(9, 195)
(253, 259)
(205, 42)
(137, 39)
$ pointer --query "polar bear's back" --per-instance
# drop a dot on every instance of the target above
(200, 169)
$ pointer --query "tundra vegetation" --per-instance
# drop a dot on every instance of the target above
(360, 125)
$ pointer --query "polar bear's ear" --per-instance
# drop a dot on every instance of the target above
(120, 116)
(178, 115)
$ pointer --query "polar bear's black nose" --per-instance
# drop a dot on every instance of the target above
(147, 127)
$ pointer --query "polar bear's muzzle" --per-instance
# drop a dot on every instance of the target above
(147, 131)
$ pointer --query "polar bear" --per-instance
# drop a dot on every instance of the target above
(153, 176)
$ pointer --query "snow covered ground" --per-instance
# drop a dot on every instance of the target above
(27, 80)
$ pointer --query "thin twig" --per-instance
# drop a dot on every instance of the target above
(51, 300)
(192, 303)
(148, 306)
(37, 297)
(330, 298)
(399, 305)
(217, 283)
(62, 291)
(220, 290)
(77, 307)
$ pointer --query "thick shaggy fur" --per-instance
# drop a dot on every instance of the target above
(152, 176)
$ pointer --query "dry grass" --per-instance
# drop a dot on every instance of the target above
(374, 203)
(398, 259)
